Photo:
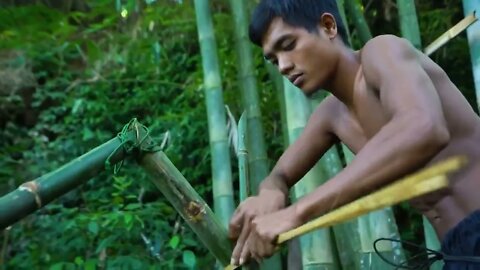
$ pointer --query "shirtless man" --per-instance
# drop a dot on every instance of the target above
(391, 105)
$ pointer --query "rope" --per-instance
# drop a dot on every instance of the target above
(137, 145)
(432, 256)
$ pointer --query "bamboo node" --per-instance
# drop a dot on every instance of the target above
(195, 211)
(32, 187)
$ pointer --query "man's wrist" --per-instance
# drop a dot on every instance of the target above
(274, 193)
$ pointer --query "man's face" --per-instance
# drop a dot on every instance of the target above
(306, 58)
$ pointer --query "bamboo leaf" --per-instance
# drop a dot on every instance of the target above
(174, 241)
(189, 258)
(93, 227)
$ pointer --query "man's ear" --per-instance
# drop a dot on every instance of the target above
(328, 25)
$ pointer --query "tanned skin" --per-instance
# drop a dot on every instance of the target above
(392, 106)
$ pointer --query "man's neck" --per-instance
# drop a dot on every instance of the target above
(344, 75)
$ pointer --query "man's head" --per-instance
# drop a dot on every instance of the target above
(296, 36)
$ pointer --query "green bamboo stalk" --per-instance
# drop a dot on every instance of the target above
(242, 155)
(470, 6)
(409, 22)
(35, 194)
(221, 166)
(432, 241)
(193, 209)
(341, 9)
(277, 80)
(316, 247)
(258, 161)
(354, 8)
(411, 31)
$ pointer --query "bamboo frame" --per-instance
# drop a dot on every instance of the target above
(35, 194)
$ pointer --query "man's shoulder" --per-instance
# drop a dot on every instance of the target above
(382, 51)
(330, 109)
(384, 41)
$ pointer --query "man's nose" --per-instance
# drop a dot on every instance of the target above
(284, 65)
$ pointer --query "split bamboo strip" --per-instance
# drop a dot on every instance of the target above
(423, 182)
(220, 153)
(451, 33)
(35, 194)
(193, 209)
(405, 190)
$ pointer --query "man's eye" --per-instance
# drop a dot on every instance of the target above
(290, 45)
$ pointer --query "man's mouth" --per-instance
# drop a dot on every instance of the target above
(297, 79)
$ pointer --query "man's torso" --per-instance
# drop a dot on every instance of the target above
(355, 126)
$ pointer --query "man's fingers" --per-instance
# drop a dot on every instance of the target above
(245, 254)
(237, 251)
(235, 226)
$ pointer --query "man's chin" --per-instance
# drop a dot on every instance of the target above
(310, 92)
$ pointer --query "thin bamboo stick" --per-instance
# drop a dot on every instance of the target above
(451, 33)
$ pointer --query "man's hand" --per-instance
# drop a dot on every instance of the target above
(241, 223)
(265, 230)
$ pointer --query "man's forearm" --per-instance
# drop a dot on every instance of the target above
(396, 150)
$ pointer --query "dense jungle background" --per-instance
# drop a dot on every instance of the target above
(73, 73)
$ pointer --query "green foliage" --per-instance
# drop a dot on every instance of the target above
(96, 71)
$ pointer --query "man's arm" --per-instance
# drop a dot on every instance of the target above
(314, 141)
(416, 132)
(299, 158)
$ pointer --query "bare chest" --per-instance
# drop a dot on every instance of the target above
(367, 108)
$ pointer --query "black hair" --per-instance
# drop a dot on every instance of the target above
(299, 13)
